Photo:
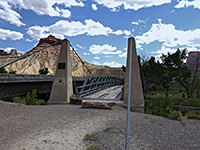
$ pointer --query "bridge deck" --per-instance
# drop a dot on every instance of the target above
(111, 93)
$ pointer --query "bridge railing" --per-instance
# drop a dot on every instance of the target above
(9, 78)
(96, 83)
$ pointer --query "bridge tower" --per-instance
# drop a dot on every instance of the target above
(136, 92)
(62, 84)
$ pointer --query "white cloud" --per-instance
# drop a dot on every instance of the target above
(135, 23)
(169, 36)
(64, 12)
(118, 32)
(108, 56)
(112, 64)
(164, 50)
(138, 22)
(131, 4)
(8, 49)
(37, 32)
(95, 62)
(123, 55)
(186, 3)
(86, 53)
(94, 7)
(79, 46)
(96, 57)
(65, 28)
(104, 49)
(40, 7)
(127, 33)
(7, 14)
(8, 34)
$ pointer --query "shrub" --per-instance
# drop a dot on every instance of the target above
(91, 147)
(174, 114)
(183, 95)
(12, 72)
(30, 99)
(91, 137)
(19, 100)
(157, 107)
(3, 70)
(197, 94)
(193, 115)
(43, 71)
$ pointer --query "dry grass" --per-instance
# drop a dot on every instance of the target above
(112, 129)
(193, 114)
(91, 137)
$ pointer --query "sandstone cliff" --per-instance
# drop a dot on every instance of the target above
(48, 58)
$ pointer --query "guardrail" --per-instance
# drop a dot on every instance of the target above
(183, 108)
(96, 83)
(10, 78)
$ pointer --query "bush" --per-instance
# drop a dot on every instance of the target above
(91, 137)
(91, 147)
(3, 70)
(19, 100)
(12, 72)
(43, 71)
(30, 99)
(158, 107)
(193, 115)
(174, 114)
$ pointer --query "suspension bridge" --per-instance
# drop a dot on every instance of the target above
(62, 85)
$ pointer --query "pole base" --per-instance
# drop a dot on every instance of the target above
(135, 108)
(57, 102)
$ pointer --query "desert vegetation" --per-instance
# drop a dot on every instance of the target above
(29, 99)
(167, 83)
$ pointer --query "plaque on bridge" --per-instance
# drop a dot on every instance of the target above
(61, 65)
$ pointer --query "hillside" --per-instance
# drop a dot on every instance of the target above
(48, 58)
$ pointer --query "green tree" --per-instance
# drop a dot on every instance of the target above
(43, 71)
(151, 72)
(124, 68)
(3, 70)
(12, 72)
(176, 70)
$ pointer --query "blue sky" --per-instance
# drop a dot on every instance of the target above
(99, 29)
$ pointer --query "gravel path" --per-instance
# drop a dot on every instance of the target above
(63, 127)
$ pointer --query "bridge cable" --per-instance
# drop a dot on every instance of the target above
(129, 99)
(81, 60)
(23, 57)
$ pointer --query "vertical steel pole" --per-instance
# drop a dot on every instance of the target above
(129, 96)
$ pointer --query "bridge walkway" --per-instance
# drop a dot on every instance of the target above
(113, 93)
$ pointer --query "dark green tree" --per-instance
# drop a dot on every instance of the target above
(124, 68)
(176, 70)
(12, 72)
(151, 72)
(43, 71)
(3, 70)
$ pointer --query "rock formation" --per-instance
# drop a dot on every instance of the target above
(15, 52)
(48, 58)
